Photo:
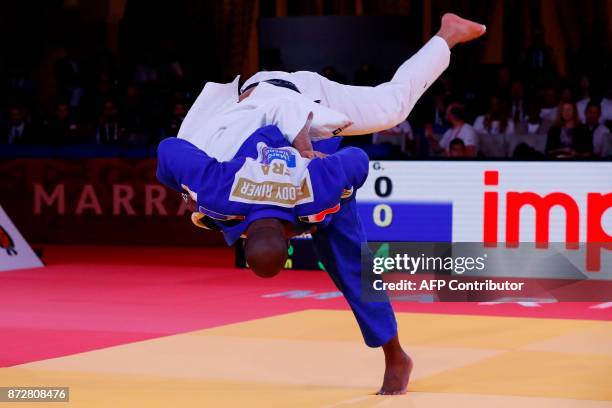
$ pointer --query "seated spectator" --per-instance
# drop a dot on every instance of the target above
(431, 110)
(550, 104)
(496, 121)
(146, 71)
(400, 138)
(593, 130)
(137, 118)
(19, 84)
(564, 139)
(517, 102)
(606, 109)
(532, 131)
(459, 130)
(457, 149)
(174, 121)
(109, 131)
(492, 129)
(69, 76)
(538, 59)
(19, 129)
(62, 128)
(103, 89)
(585, 96)
(533, 123)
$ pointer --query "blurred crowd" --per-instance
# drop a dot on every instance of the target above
(514, 118)
(95, 101)
(524, 112)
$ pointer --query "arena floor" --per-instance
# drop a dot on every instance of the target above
(151, 327)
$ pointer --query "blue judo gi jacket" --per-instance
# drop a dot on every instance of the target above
(268, 179)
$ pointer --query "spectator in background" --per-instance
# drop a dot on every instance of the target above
(496, 121)
(431, 111)
(104, 88)
(517, 102)
(173, 123)
(19, 84)
(492, 129)
(146, 72)
(19, 130)
(109, 131)
(69, 77)
(139, 124)
(457, 149)
(538, 59)
(564, 139)
(593, 130)
(584, 86)
(533, 124)
(606, 107)
(400, 138)
(550, 103)
(459, 130)
(62, 129)
(529, 138)
(438, 114)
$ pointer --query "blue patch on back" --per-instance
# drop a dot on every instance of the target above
(270, 154)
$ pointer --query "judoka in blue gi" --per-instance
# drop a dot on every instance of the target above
(254, 164)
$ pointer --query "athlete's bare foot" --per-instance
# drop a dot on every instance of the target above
(398, 367)
(455, 30)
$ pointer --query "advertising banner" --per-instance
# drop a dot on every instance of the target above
(96, 201)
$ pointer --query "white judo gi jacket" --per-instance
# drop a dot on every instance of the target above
(219, 125)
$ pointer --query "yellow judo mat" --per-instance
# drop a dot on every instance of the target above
(316, 359)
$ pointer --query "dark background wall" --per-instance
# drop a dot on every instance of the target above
(221, 35)
(344, 42)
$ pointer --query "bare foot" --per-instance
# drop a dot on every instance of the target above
(398, 366)
(456, 30)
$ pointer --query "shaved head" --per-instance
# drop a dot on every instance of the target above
(266, 247)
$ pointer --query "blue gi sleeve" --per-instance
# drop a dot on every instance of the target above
(179, 162)
(355, 163)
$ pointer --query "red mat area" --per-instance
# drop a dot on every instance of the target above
(95, 297)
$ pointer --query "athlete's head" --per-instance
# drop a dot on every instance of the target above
(266, 247)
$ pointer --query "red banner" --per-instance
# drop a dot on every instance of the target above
(101, 201)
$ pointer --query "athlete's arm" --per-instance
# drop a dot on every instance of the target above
(180, 163)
